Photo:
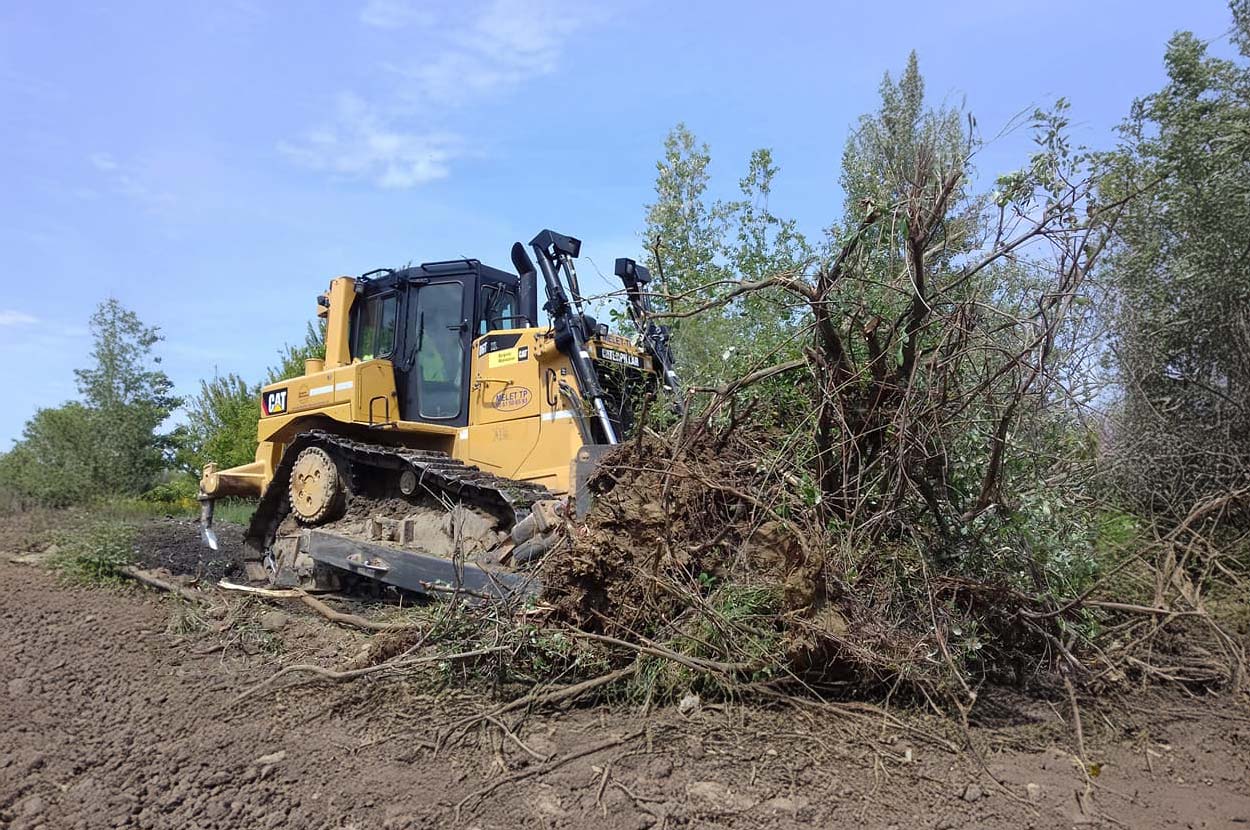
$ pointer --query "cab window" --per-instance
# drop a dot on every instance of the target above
(373, 327)
(441, 350)
(498, 309)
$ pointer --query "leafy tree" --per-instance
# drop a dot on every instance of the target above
(221, 423)
(896, 154)
(1181, 324)
(129, 397)
(54, 462)
(109, 443)
(680, 219)
(697, 244)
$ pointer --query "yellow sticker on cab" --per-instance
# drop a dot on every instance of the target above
(503, 357)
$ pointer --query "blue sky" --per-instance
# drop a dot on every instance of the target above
(213, 164)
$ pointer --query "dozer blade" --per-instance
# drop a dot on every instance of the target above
(415, 571)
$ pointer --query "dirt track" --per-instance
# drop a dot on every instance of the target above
(107, 720)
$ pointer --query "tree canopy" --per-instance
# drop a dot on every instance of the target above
(1180, 273)
(110, 442)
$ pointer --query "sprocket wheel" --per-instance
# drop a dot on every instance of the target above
(316, 491)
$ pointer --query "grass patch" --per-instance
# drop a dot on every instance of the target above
(230, 511)
(234, 511)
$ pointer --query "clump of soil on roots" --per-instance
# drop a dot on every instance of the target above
(709, 546)
(672, 528)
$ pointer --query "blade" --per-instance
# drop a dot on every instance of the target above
(208, 537)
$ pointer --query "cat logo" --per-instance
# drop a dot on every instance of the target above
(273, 403)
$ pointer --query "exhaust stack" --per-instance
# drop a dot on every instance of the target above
(527, 289)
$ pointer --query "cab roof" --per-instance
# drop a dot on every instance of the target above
(383, 279)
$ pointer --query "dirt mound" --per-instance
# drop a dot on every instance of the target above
(689, 545)
(174, 544)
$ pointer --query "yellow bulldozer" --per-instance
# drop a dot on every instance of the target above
(448, 430)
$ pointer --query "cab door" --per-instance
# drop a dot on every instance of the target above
(435, 372)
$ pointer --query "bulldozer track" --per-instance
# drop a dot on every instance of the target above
(438, 474)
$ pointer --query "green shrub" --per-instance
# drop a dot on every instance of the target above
(179, 490)
(97, 554)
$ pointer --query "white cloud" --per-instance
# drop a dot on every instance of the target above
(395, 14)
(9, 317)
(362, 145)
(481, 50)
(507, 43)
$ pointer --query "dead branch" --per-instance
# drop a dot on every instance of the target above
(317, 605)
(353, 620)
(153, 581)
(655, 650)
(537, 699)
(352, 674)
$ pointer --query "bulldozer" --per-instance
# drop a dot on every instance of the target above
(448, 432)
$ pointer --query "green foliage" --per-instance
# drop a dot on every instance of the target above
(1181, 325)
(704, 243)
(178, 489)
(894, 151)
(222, 418)
(109, 444)
(221, 423)
(52, 463)
(234, 511)
(129, 398)
(96, 554)
(919, 383)
(735, 624)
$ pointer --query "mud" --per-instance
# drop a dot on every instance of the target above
(116, 712)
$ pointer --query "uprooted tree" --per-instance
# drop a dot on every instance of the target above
(895, 481)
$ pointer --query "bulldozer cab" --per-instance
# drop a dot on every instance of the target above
(424, 319)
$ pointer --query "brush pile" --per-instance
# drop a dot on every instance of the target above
(709, 546)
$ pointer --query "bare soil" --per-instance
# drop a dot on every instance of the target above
(174, 545)
(119, 708)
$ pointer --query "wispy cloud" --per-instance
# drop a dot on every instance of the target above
(361, 144)
(469, 53)
(129, 181)
(9, 317)
(395, 14)
(506, 43)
